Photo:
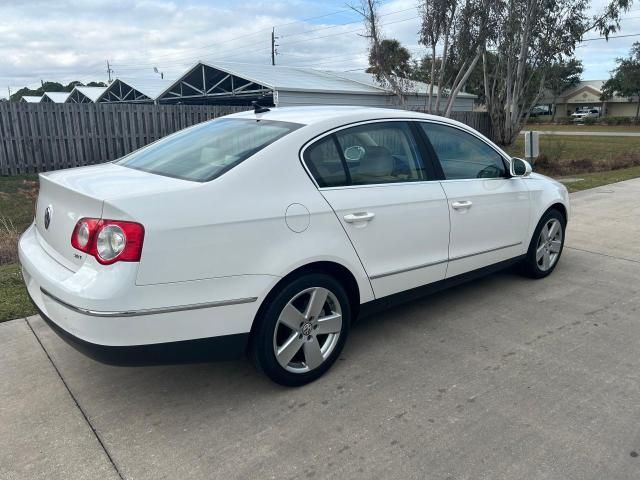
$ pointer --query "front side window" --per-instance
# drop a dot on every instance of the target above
(374, 153)
(463, 156)
(206, 151)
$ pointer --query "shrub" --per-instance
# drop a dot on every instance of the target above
(8, 241)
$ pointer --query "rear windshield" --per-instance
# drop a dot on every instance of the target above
(206, 151)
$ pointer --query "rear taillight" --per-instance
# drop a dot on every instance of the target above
(109, 241)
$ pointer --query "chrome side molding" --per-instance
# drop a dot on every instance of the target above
(147, 311)
(460, 257)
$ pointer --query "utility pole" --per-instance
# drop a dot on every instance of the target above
(109, 71)
(9, 88)
(274, 50)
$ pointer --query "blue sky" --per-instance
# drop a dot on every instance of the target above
(70, 40)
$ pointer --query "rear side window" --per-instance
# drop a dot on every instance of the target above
(463, 156)
(325, 163)
(374, 153)
(206, 151)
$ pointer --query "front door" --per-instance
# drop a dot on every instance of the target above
(395, 215)
(489, 211)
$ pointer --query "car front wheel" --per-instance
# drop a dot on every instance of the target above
(546, 245)
(302, 329)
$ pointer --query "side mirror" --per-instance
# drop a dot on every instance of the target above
(520, 168)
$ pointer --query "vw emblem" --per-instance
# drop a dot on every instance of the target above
(307, 328)
(48, 212)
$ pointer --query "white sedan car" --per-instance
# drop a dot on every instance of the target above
(269, 232)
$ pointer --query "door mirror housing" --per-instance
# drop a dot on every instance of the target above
(519, 167)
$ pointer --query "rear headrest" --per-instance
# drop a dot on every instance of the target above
(377, 161)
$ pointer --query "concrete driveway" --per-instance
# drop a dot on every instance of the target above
(502, 378)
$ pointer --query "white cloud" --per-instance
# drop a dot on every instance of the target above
(67, 40)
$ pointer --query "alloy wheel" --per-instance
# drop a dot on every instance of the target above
(307, 330)
(549, 244)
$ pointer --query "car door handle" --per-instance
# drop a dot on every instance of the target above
(461, 204)
(359, 217)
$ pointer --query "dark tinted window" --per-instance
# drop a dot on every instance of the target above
(206, 151)
(325, 164)
(462, 155)
(382, 152)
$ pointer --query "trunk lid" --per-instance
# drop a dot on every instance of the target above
(66, 196)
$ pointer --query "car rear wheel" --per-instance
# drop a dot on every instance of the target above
(302, 329)
(546, 245)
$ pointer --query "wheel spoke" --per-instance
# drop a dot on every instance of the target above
(555, 246)
(289, 348)
(312, 353)
(291, 317)
(546, 261)
(555, 226)
(329, 324)
(540, 252)
(316, 302)
(544, 234)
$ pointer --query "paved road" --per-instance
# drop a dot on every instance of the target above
(587, 134)
(503, 378)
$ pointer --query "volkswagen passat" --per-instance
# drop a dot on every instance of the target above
(270, 231)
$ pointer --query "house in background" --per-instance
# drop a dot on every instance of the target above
(587, 95)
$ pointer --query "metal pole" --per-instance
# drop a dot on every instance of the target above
(273, 46)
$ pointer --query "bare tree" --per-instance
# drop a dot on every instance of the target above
(532, 35)
(368, 9)
(462, 27)
(437, 22)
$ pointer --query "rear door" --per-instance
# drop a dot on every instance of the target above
(388, 201)
(489, 211)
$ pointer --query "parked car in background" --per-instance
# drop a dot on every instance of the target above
(581, 115)
(270, 231)
(540, 110)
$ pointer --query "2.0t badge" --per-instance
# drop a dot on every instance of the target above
(48, 212)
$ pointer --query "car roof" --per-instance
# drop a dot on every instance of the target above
(339, 114)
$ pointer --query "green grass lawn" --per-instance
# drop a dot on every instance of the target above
(14, 302)
(597, 179)
(602, 152)
(17, 200)
(552, 127)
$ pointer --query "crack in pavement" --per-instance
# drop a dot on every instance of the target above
(75, 401)
(602, 254)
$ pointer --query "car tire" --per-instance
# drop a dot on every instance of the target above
(301, 330)
(546, 245)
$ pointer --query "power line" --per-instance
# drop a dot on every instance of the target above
(616, 36)
(181, 59)
(302, 20)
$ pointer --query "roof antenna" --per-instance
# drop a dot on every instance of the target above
(257, 108)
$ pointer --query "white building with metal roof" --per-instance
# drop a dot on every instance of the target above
(239, 83)
(30, 99)
(134, 90)
(54, 97)
(85, 94)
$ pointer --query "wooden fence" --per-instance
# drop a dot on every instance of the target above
(41, 137)
(481, 121)
(50, 136)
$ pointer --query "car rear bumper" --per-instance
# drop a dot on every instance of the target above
(93, 309)
(225, 347)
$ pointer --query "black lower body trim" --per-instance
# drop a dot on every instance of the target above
(225, 347)
(389, 301)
